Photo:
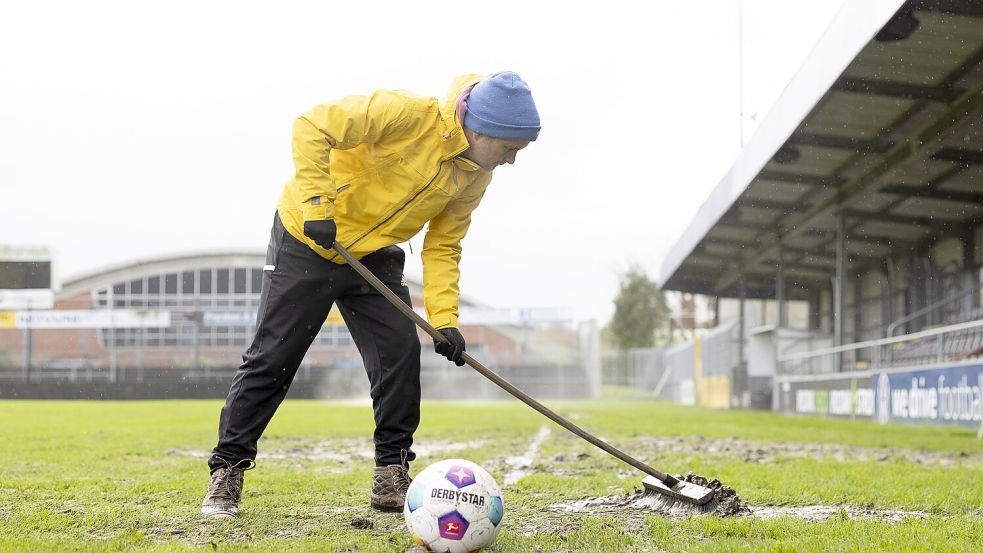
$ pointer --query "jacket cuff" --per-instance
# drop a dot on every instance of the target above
(441, 322)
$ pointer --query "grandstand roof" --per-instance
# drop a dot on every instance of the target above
(883, 123)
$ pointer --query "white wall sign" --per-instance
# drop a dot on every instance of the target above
(102, 318)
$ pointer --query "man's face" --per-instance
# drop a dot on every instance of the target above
(490, 152)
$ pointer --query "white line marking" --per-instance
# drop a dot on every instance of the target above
(520, 464)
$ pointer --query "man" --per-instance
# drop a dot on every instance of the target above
(371, 171)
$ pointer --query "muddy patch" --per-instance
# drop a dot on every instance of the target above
(337, 451)
(725, 503)
(201, 531)
(766, 452)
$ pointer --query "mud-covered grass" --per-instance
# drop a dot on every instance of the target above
(112, 476)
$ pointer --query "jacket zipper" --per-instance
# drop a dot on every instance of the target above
(402, 207)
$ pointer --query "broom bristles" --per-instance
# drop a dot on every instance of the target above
(683, 491)
(669, 505)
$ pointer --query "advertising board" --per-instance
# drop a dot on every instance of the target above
(947, 395)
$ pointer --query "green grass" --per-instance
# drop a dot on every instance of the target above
(122, 476)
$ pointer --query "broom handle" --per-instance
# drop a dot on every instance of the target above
(501, 382)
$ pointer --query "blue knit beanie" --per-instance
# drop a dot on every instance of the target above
(501, 106)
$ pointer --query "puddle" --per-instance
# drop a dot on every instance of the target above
(339, 451)
(809, 513)
(188, 453)
(726, 503)
(819, 513)
(766, 452)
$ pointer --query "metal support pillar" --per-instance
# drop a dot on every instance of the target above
(887, 297)
(780, 289)
(858, 319)
(739, 386)
(839, 283)
(970, 272)
(858, 303)
(816, 310)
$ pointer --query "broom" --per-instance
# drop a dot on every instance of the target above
(677, 493)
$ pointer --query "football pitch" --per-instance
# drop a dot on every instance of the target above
(129, 476)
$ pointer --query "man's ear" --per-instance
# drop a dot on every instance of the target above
(472, 136)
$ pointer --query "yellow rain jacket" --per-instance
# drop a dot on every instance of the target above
(382, 166)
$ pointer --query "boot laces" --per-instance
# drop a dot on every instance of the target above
(401, 474)
(401, 479)
(226, 483)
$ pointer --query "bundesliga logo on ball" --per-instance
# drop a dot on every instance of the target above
(454, 506)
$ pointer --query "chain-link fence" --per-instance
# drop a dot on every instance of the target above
(698, 371)
(186, 356)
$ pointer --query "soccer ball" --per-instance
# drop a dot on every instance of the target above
(454, 506)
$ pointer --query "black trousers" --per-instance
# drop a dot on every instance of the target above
(296, 297)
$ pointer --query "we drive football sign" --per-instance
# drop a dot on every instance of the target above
(951, 395)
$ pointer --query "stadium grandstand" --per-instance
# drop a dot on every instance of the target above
(858, 201)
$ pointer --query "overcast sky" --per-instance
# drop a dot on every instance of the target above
(131, 130)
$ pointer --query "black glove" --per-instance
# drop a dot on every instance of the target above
(322, 232)
(453, 347)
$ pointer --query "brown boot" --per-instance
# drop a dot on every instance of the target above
(225, 491)
(389, 487)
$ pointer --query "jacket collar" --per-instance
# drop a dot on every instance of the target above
(452, 131)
